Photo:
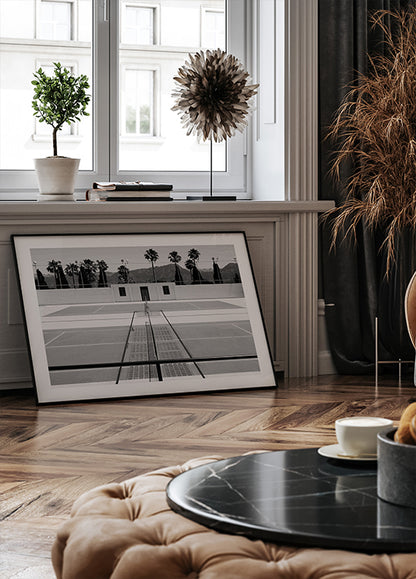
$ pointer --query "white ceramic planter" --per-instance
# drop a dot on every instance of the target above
(56, 177)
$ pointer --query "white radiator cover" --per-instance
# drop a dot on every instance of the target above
(282, 240)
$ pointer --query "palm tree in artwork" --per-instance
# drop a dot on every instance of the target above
(152, 256)
(191, 264)
(52, 267)
(63, 282)
(175, 258)
(102, 276)
(40, 282)
(55, 267)
(88, 270)
(71, 269)
(123, 272)
(194, 254)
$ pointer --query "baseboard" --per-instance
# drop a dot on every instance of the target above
(325, 363)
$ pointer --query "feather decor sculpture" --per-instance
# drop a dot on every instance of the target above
(375, 128)
(212, 93)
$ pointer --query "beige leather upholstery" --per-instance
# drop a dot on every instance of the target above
(127, 531)
(410, 308)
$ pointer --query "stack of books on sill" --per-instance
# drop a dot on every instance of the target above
(129, 191)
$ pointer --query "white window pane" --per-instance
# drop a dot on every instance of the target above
(168, 148)
(138, 98)
(22, 137)
(213, 29)
(137, 25)
(55, 20)
(145, 137)
(46, 11)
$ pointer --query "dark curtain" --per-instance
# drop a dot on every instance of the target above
(352, 277)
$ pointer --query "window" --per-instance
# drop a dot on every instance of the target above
(138, 108)
(145, 97)
(212, 28)
(55, 20)
(166, 290)
(22, 137)
(130, 50)
(137, 25)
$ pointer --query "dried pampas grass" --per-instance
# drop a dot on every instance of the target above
(212, 92)
(376, 129)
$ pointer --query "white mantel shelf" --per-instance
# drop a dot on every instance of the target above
(156, 211)
(282, 237)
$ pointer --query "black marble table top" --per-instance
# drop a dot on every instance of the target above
(295, 497)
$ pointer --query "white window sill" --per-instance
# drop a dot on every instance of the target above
(222, 211)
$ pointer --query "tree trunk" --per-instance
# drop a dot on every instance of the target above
(54, 141)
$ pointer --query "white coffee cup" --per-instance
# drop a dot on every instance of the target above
(357, 435)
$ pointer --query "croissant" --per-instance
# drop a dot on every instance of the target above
(406, 431)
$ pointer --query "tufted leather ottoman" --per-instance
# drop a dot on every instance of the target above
(127, 531)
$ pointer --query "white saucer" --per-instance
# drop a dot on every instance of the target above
(334, 451)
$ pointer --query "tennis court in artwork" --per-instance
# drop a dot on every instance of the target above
(137, 315)
(150, 341)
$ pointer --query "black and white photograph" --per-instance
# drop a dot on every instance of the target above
(135, 315)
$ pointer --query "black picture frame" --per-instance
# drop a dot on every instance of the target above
(128, 315)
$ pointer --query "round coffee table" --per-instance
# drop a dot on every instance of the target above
(295, 497)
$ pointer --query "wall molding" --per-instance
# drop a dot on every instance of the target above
(301, 179)
(301, 100)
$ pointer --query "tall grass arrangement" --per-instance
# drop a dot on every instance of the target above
(375, 128)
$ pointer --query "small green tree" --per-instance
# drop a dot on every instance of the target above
(59, 99)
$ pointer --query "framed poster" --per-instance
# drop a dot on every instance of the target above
(116, 315)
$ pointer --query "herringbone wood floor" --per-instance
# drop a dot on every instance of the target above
(49, 455)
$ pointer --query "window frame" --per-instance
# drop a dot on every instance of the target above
(72, 24)
(235, 178)
(155, 9)
(124, 136)
(204, 11)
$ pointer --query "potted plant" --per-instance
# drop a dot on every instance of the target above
(374, 132)
(58, 99)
